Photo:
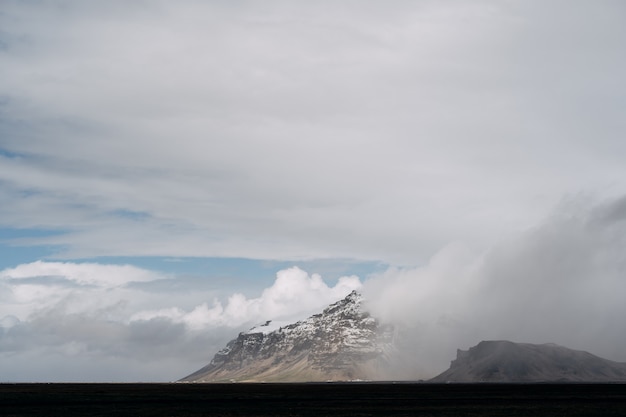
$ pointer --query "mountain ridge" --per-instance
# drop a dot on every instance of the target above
(506, 361)
(342, 343)
(345, 343)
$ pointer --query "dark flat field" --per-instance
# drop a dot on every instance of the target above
(325, 399)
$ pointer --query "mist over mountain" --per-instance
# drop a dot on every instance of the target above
(561, 281)
(341, 343)
(345, 343)
(505, 361)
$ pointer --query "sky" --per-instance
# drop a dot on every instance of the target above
(172, 173)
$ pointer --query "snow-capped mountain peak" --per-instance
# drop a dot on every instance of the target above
(340, 343)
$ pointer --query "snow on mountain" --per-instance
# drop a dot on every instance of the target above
(341, 343)
(344, 343)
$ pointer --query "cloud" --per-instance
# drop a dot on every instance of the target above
(294, 295)
(313, 130)
(108, 276)
(78, 287)
(303, 131)
(559, 282)
(100, 316)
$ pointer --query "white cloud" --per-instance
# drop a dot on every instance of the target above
(303, 131)
(107, 276)
(74, 287)
(294, 295)
(309, 130)
(561, 282)
(72, 312)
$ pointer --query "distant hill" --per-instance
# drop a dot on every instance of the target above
(342, 343)
(345, 343)
(504, 361)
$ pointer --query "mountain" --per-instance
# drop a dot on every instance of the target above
(342, 343)
(504, 361)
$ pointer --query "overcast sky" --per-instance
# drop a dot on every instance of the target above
(172, 172)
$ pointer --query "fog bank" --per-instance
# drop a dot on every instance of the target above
(562, 282)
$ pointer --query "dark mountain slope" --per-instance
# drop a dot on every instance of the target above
(504, 361)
